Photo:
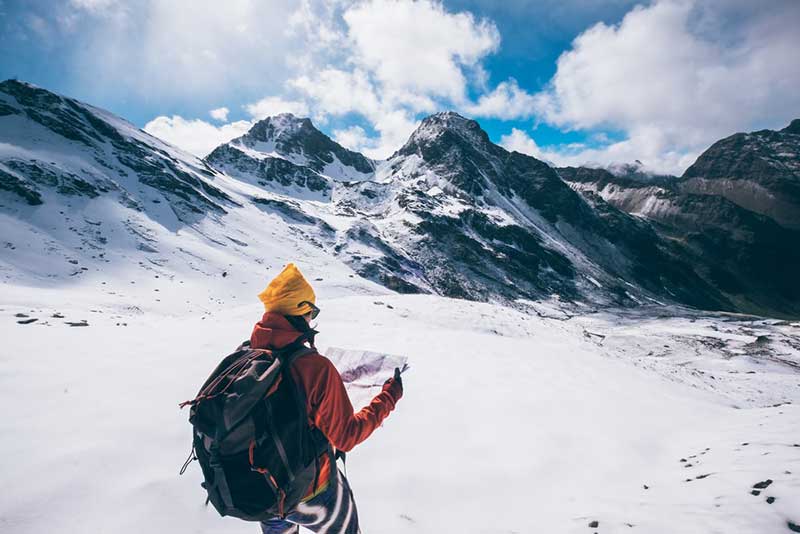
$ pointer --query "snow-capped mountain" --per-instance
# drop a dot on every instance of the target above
(85, 195)
(292, 155)
(449, 213)
(466, 218)
(98, 155)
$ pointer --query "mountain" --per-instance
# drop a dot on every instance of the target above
(732, 214)
(85, 195)
(83, 192)
(463, 217)
(292, 155)
(759, 171)
(97, 153)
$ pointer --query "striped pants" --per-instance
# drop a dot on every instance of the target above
(331, 512)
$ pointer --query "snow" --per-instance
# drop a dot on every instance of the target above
(336, 170)
(435, 191)
(524, 419)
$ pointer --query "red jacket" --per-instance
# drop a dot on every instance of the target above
(329, 408)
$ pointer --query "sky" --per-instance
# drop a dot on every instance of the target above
(572, 82)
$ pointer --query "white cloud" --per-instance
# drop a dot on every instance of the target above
(507, 101)
(93, 5)
(220, 114)
(419, 46)
(339, 91)
(195, 136)
(676, 76)
(647, 147)
(519, 141)
(354, 137)
(181, 49)
(274, 105)
(395, 60)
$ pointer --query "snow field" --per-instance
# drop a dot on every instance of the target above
(510, 423)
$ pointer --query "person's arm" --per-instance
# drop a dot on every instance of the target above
(332, 411)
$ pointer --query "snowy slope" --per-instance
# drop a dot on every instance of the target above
(85, 195)
(511, 421)
(288, 155)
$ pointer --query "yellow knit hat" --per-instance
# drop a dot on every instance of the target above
(286, 291)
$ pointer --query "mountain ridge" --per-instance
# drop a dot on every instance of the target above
(449, 212)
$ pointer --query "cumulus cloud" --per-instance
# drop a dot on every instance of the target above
(670, 78)
(419, 46)
(195, 136)
(220, 114)
(274, 105)
(520, 141)
(647, 147)
(354, 137)
(181, 48)
(403, 58)
(506, 101)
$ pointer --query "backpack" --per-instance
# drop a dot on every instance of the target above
(252, 437)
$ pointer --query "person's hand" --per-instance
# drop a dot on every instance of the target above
(394, 385)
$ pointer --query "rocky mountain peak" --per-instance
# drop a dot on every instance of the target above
(447, 127)
(284, 127)
(298, 141)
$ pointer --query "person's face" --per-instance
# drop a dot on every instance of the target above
(307, 317)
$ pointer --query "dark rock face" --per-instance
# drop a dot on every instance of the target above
(760, 171)
(793, 128)
(119, 157)
(729, 216)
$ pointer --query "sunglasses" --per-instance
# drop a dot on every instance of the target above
(314, 310)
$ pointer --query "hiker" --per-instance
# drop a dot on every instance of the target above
(328, 505)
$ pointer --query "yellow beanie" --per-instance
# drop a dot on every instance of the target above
(286, 291)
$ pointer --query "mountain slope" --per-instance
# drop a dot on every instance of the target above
(731, 214)
(478, 221)
(84, 195)
(289, 155)
(98, 154)
(759, 171)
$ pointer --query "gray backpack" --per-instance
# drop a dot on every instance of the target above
(252, 436)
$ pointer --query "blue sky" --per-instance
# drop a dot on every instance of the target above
(569, 81)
